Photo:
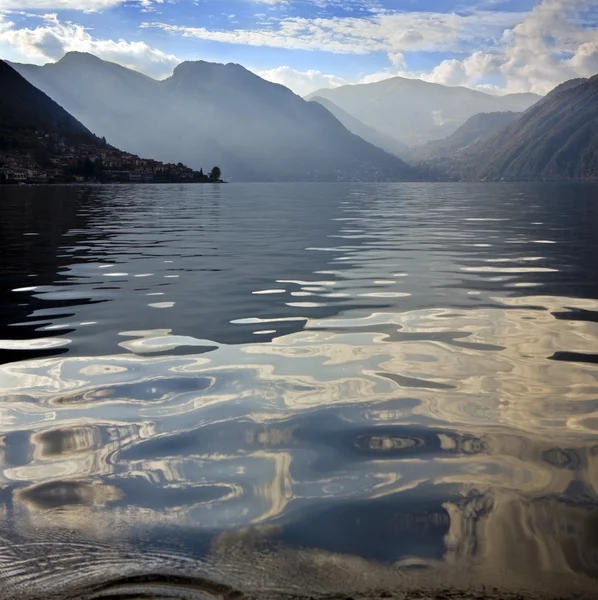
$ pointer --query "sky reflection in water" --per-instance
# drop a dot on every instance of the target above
(360, 380)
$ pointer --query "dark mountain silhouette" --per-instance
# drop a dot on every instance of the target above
(255, 130)
(567, 85)
(42, 143)
(556, 139)
(26, 114)
(472, 131)
(128, 108)
(414, 111)
(369, 134)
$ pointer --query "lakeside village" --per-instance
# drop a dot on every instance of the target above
(63, 163)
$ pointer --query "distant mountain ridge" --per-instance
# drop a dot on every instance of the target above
(414, 111)
(369, 134)
(209, 113)
(42, 143)
(557, 139)
(473, 130)
(254, 129)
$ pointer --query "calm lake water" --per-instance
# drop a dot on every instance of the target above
(298, 388)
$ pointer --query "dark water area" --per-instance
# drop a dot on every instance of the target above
(265, 389)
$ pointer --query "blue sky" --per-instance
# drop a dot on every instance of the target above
(495, 45)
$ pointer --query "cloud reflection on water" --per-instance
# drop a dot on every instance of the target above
(419, 396)
(483, 425)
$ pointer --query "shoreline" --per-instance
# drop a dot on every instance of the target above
(79, 183)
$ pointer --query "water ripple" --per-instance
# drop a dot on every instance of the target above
(397, 392)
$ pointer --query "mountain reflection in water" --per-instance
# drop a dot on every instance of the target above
(337, 388)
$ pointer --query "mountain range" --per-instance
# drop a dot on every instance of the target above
(369, 134)
(556, 139)
(473, 130)
(414, 111)
(225, 114)
(41, 143)
(25, 111)
(208, 113)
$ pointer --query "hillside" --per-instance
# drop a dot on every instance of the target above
(369, 134)
(414, 111)
(27, 116)
(556, 139)
(472, 131)
(254, 129)
(118, 103)
(42, 143)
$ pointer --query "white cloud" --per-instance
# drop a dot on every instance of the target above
(468, 72)
(306, 82)
(395, 33)
(532, 51)
(449, 72)
(83, 5)
(148, 6)
(550, 45)
(585, 60)
(53, 38)
(302, 82)
(5, 24)
(397, 59)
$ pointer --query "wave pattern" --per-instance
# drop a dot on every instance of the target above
(400, 391)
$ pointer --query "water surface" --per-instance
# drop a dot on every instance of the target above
(298, 388)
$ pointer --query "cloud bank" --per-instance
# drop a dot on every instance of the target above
(51, 39)
(521, 52)
(484, 49)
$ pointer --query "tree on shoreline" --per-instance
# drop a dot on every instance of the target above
(215, 174)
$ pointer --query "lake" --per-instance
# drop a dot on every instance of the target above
(298, 389)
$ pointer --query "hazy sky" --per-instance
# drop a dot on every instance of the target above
(514, 45)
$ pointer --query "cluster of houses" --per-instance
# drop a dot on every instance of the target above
(21, 168)
(65, 164)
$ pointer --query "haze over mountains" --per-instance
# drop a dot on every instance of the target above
(207, 114)
(414, 111)
(473, 130)
(373, 136)
(556, 139)
(41, 143)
